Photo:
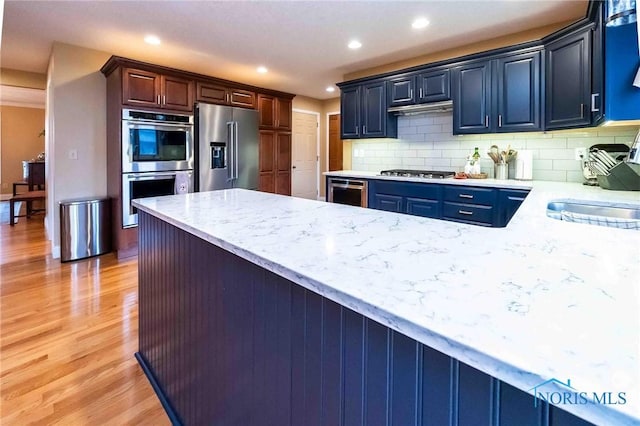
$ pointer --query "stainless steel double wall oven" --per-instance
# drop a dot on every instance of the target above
(157, 157)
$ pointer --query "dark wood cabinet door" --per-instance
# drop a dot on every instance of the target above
(267, 160)
(283, 163)
(472, 98)
(350, 113)
(177, 93)
(401, 91)
(568, 78)
(211, 93)
(266, 108)
(283, 114)
(374, 110)
(242, 98)
(518, 93)
(434, 86)
(140, 88)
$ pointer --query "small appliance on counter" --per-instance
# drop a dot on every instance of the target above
(524, 165)
(612, 167)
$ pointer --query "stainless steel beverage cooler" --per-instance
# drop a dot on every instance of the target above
(85, 228)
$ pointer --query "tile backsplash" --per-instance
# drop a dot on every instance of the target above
(426, 142)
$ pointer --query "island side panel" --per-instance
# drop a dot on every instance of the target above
(227, 342)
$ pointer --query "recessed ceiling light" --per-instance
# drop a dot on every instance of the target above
(151, 39)
(354, 44)
(261, 69)
(420, 23)
(331, 89)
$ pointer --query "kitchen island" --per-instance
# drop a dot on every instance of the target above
(263, 309)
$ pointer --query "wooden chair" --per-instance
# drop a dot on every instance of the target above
(28, 197)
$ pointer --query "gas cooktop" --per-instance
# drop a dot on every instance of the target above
(426, 174)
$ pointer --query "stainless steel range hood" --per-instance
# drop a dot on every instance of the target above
(443, 106)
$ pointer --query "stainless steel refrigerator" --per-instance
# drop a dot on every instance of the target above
(227, 147)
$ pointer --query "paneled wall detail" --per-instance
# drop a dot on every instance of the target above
(230, 343)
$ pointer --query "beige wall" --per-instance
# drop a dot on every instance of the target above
(20, 129)
(509, 40)
(76, 119)
(9, 77)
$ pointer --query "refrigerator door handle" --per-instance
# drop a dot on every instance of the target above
(231, 150)
(235, 150)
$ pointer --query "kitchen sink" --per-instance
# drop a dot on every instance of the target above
(615, 215)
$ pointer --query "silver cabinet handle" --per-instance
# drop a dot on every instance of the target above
(357, 130)
(593, 102)
(500, 120)
(486, 121)
(164, 99)
(581, 110)
(411, 93)
(466, 196)
(364, 130)
(158, 100)
(421, 93)
(465, 212)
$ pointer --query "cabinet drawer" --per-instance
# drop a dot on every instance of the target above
(408, 189)
(423, 207)
(468, 212)
(471, 195)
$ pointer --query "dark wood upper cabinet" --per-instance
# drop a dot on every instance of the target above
(568, 85)
(472, 98)
(217, 94)
(283, 113)
(140, 88)
(518, 93)
(148, 89)
(177, 93)
(434, 86)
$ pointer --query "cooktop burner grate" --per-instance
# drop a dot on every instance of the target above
(425, 174)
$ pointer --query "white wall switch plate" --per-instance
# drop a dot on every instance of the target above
(73, 154)
(580, 153)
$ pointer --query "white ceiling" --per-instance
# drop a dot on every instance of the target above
(302, 43)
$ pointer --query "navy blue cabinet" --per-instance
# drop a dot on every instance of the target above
(518, 92)
(350, 112)
(482, 206)
(363, 110)
(597, 66)
(402, 90)
(427, 86)
(472, 98)
(568, 81)
(434, 85)
(413, 198)
(498, 95)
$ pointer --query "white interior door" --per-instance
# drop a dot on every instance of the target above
(304, 161)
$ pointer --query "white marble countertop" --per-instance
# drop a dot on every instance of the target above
(536, 300)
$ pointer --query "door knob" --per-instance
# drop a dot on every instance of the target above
(293, 167)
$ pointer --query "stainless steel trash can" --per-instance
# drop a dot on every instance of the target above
(85, 228)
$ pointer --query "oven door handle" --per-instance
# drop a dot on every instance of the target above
(154, 176)
(157, 125)
(346, 184)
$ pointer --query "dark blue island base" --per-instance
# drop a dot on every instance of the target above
(225, 342)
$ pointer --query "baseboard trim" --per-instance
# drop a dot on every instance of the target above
(173, 416)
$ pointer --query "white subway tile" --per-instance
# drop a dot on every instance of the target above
(404, 122)
(551, 175)
(556, 154)
(546, 143)
(567, 165)
(422, 120)
(588, 141)
(421, 145)
(438, 162)
(407, 161)
(431, 128)
(411, 130)
(372, 160)
(455, 153)
(542, 164)
(418, 137)
(625, 139)
(573, 176)
(405, 153)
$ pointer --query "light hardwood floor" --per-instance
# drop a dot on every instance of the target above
(68, 335)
